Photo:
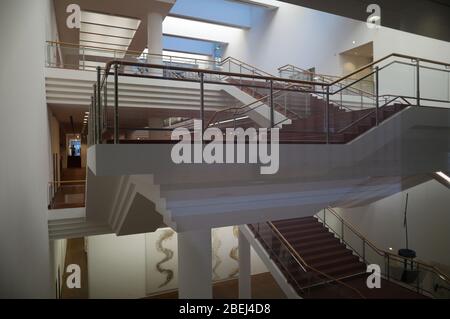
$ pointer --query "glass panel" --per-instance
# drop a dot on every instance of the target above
(434, 83)
(353, 241)
(398, 79)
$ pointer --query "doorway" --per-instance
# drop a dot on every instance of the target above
(74, 152)
(355, 58)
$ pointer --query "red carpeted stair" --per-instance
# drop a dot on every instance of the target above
(319, 248)
(324, 254)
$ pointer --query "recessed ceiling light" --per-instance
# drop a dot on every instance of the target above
(353, 42)
(390, 248)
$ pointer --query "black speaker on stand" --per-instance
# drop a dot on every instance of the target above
(409, 274)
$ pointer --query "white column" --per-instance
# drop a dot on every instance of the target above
(25, 151)
(245, 288)
(154, 39)
(194, 264)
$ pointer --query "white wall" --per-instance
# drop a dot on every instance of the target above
(24, 141)
(428, 221)
(58, 250)
(116, 266)
(125, 267)
(309, 38)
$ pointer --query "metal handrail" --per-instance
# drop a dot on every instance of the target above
(382, 252)
(204, 71)
(370, 113)
(74, 45)
(385, 58)
(305, 265)
(249, 67)
(263, 79)
(325, 77)
(300, 70)
(248, 105)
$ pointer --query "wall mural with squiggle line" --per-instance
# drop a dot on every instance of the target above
(216, 259)
(234, 253)
(161, 260)
(168, 253)
(162, 257)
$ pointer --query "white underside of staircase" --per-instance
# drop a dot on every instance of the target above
(269, 263)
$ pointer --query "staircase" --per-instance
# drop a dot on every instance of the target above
(306, 115)
(345, 125)
(324, 260)
(316, 264)
(319, 248)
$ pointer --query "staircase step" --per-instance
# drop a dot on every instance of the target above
(344, 269)
(296, 221)
(303, 245)
(305, 253)
(329, 255)
(311, 239)
(346, 259)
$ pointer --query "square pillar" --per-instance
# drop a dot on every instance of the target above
(245, 276)
(195, 264)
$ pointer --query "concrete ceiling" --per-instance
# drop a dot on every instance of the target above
(137, 9)
(130, 117)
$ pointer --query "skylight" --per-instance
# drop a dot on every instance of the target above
(107, 32)
(200, 30)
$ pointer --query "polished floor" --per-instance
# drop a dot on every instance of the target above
(70, 194)
(264, 286)
(76, 254)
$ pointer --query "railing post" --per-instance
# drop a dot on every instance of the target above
(89, 123)
(240, 74)
(418, 81)
(272, 117)
(362, 101)
(388, 268)
(418, 275)
(84, 59)
(94, 113)
(202, 100)
(327, 115)
(364, 250)
(105, 101)
(116, 103)
(99, 106)
(377, 94)
(49, 55)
